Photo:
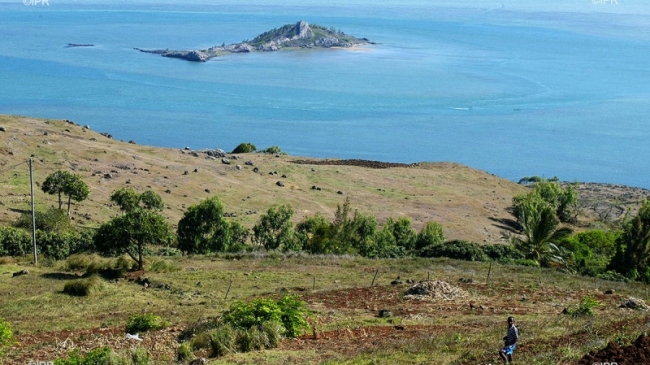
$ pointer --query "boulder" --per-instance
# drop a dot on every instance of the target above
(385, 313)
(21, 273)
(225, 161)
(634, 303)
(279, 183)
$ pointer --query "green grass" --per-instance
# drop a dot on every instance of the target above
(461, 336)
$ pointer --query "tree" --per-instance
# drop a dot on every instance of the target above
(563, 201)
(139, 225)
(430, 234)
(130, 232)
(274, 227)
(541, 233)
(404, 234)
(203, 228)
(128, 199)
(66, 183)
(632, 256)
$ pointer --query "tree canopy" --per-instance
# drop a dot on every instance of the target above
(66, 183)
(139, 225)
(203, 228)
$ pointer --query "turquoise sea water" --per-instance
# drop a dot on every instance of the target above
(517, 88)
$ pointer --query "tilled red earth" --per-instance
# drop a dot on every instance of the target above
(636, 353)
(48, 346)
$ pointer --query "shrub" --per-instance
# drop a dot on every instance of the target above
(184, 352)
(612, 275)
(584, 308)
(289, 311)
(274, 150)
(168, 251)
(52, 220)
(140, 356)
(144, 322)
(59, 245)
(245, 147)
(164, 266)
(100, 356)
(502, 253)
(223, 340)
(526, 262)
(84, 287)
(201, 341)
(15, 241)
(460, 250)
(6, 336)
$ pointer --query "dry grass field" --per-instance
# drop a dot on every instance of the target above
(467, 202)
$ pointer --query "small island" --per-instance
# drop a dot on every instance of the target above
(299, 35)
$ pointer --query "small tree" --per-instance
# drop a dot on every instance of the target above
(541, 233)
(632, 256)
(203, 228)
(430, 234)
(404, 234)
(274, 227)
(563, 201)
(138, 226)
(66, 183)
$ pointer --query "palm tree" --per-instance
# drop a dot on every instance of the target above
(541, 233)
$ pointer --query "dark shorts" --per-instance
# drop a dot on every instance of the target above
(508, 350)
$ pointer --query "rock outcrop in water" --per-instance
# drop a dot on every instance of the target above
(299, 35)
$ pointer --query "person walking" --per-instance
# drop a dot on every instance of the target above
(510, 341)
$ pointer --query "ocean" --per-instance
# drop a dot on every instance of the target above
(557, 88)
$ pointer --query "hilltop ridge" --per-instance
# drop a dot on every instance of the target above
(298, 35)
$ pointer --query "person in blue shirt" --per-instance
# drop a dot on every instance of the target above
(510, 341)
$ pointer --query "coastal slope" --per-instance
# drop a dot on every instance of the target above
(298, 35)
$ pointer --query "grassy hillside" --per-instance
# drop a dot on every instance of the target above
(464, 327)
(467, 202)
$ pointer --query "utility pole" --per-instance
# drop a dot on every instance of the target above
(31, 187)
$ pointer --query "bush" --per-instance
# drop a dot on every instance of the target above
(52, 220)
(274, 150)
(223, 340)
(164, 266)
(245, 147)
(289, 311)
(184, 352)
(506, 254)
(140, 356)
(84, 287)
(59, 245)
(612, 275)
(460, 250)
(144, 322)
(6, 336)
(168, 251)
(584, 308)
(526, 262)
(100, 356)
(15, 241)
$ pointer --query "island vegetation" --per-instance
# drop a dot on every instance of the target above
(298, 35)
